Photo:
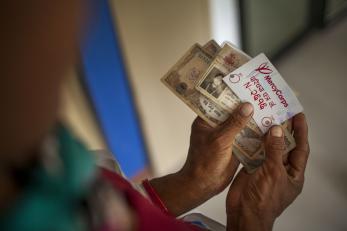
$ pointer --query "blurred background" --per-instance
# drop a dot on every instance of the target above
(114, 99)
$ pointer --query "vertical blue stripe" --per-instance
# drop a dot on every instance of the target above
(108, 87)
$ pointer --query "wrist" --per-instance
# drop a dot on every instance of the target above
(154, 197)
(198, 180)
(249, 220)
(179, 192)
(202, 180)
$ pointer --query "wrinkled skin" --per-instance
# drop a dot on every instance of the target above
(255, 201)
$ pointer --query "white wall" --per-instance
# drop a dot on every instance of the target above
(154, 34)
(224, 21)
(77, 114)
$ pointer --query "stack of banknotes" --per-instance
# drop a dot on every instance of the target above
(197, 79)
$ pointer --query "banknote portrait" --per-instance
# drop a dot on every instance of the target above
(213, 83)
(249, 139)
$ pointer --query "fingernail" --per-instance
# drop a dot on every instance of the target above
(276, 131)
(246, 109)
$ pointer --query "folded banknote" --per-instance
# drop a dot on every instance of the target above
(197, 79)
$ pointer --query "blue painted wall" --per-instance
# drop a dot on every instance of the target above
(108, 87)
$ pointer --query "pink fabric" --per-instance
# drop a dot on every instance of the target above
(149, 217)
(154, 196)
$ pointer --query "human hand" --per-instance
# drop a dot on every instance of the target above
(210, 165)
(255, 201)
(209, 158)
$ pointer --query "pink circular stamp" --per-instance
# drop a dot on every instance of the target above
(234, 78)
(266, 121)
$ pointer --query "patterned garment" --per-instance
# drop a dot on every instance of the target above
(106, 160)
(67, 191)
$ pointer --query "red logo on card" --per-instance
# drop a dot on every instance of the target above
(264, 69)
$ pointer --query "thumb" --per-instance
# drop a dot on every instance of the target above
(274, 147)
(238, 120)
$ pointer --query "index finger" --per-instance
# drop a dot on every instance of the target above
(298, 157)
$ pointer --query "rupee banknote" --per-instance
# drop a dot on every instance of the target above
(212, 86)
(212, 48)
(211, 83)
(183, 80)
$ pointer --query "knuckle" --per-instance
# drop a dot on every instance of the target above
(219, 142)
(276, 145)
(299, 179)
(298, 183)
(278, 141)
(222, 136)
(236, 121)
(236, 124)
(302, 164)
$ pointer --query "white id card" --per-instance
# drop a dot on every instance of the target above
(259, 83)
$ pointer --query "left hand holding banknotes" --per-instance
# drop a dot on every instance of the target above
(255, 201)
(209, 167)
